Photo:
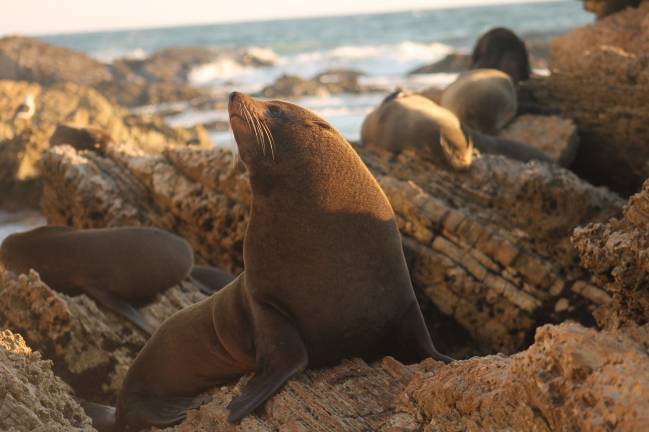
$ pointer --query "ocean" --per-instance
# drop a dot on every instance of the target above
(385, 47)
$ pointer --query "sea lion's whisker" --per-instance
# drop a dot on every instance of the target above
(251, 124)
(271, 140)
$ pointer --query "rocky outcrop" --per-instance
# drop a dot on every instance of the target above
(28, 59)
(31, 397)
(495, 256)
(324, 84)
(600, 80)
(572, 378)
(91, 347)
(23, 142)
(603, 8)
(134, 94)
(617, 253)
(555, 136)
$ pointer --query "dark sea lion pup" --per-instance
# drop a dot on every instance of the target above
(501, 49)
(117, 267)
(325, 278)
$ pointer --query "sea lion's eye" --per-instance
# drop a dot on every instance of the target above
(322, 124)
(274, 111)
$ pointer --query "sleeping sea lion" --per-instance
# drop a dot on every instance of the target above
(407, 120)
(325, 278)
(117, 267)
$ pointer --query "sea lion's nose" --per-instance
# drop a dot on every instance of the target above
(233, 96)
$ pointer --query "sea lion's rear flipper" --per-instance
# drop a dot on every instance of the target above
(280, 355)
(103, 416)
(119, 306)
(414, 342)
(457, 147)
(162, 412)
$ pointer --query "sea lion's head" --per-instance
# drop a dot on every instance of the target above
(277, 138)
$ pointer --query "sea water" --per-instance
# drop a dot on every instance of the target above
(385, 47)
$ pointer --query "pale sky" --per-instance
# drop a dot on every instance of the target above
(54, 16)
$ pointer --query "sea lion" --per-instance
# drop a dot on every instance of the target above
(325, 278)
(81, 138)
(210, 279)
(501, 49)
(117, 267)
(608, 7)
(410, 120)
(483, 99)
(405, 120)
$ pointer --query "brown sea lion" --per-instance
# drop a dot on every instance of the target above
(501, 49)
(210, 279)
(117, 267)
(482, 99)
(325, 278)
(407, 120)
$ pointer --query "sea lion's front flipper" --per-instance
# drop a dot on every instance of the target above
(280, 355)
(209, 279)
(414, 342)
(103, 416)
(119, 306)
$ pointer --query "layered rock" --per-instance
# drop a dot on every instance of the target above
(495, 256)
(323, 84)
(91, 347)
(600, 80)
(31, 397)
(572, 378)
(617, 252)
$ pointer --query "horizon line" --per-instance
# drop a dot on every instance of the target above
(469, 4)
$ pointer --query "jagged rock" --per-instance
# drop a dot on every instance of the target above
(91, 347)
(495, 256)
(555, 136)
(600, 80)
(292, 86)
(617, 252)
(31, 397)
(572, 378)
(28, 59)
(21, 145)
(603, 8)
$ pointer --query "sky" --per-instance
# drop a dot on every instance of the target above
(56, 16)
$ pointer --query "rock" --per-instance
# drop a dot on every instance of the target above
(555, 136)
(292, 86)
(22, 145)
(494, 256)
(572, 378)
(28, 59)
(91, 347)
(31, 397)
(323, 84)
(616, 252)
(452, 63)
(133, 94)
(174, 65)
(603, 8)
(600, 80)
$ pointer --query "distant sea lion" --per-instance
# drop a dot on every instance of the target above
(409, 120)
(210, 279)
(482, 99)
(117, 267)
(325, 278)
(607, 7)
(501, 49)
(81, 138)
